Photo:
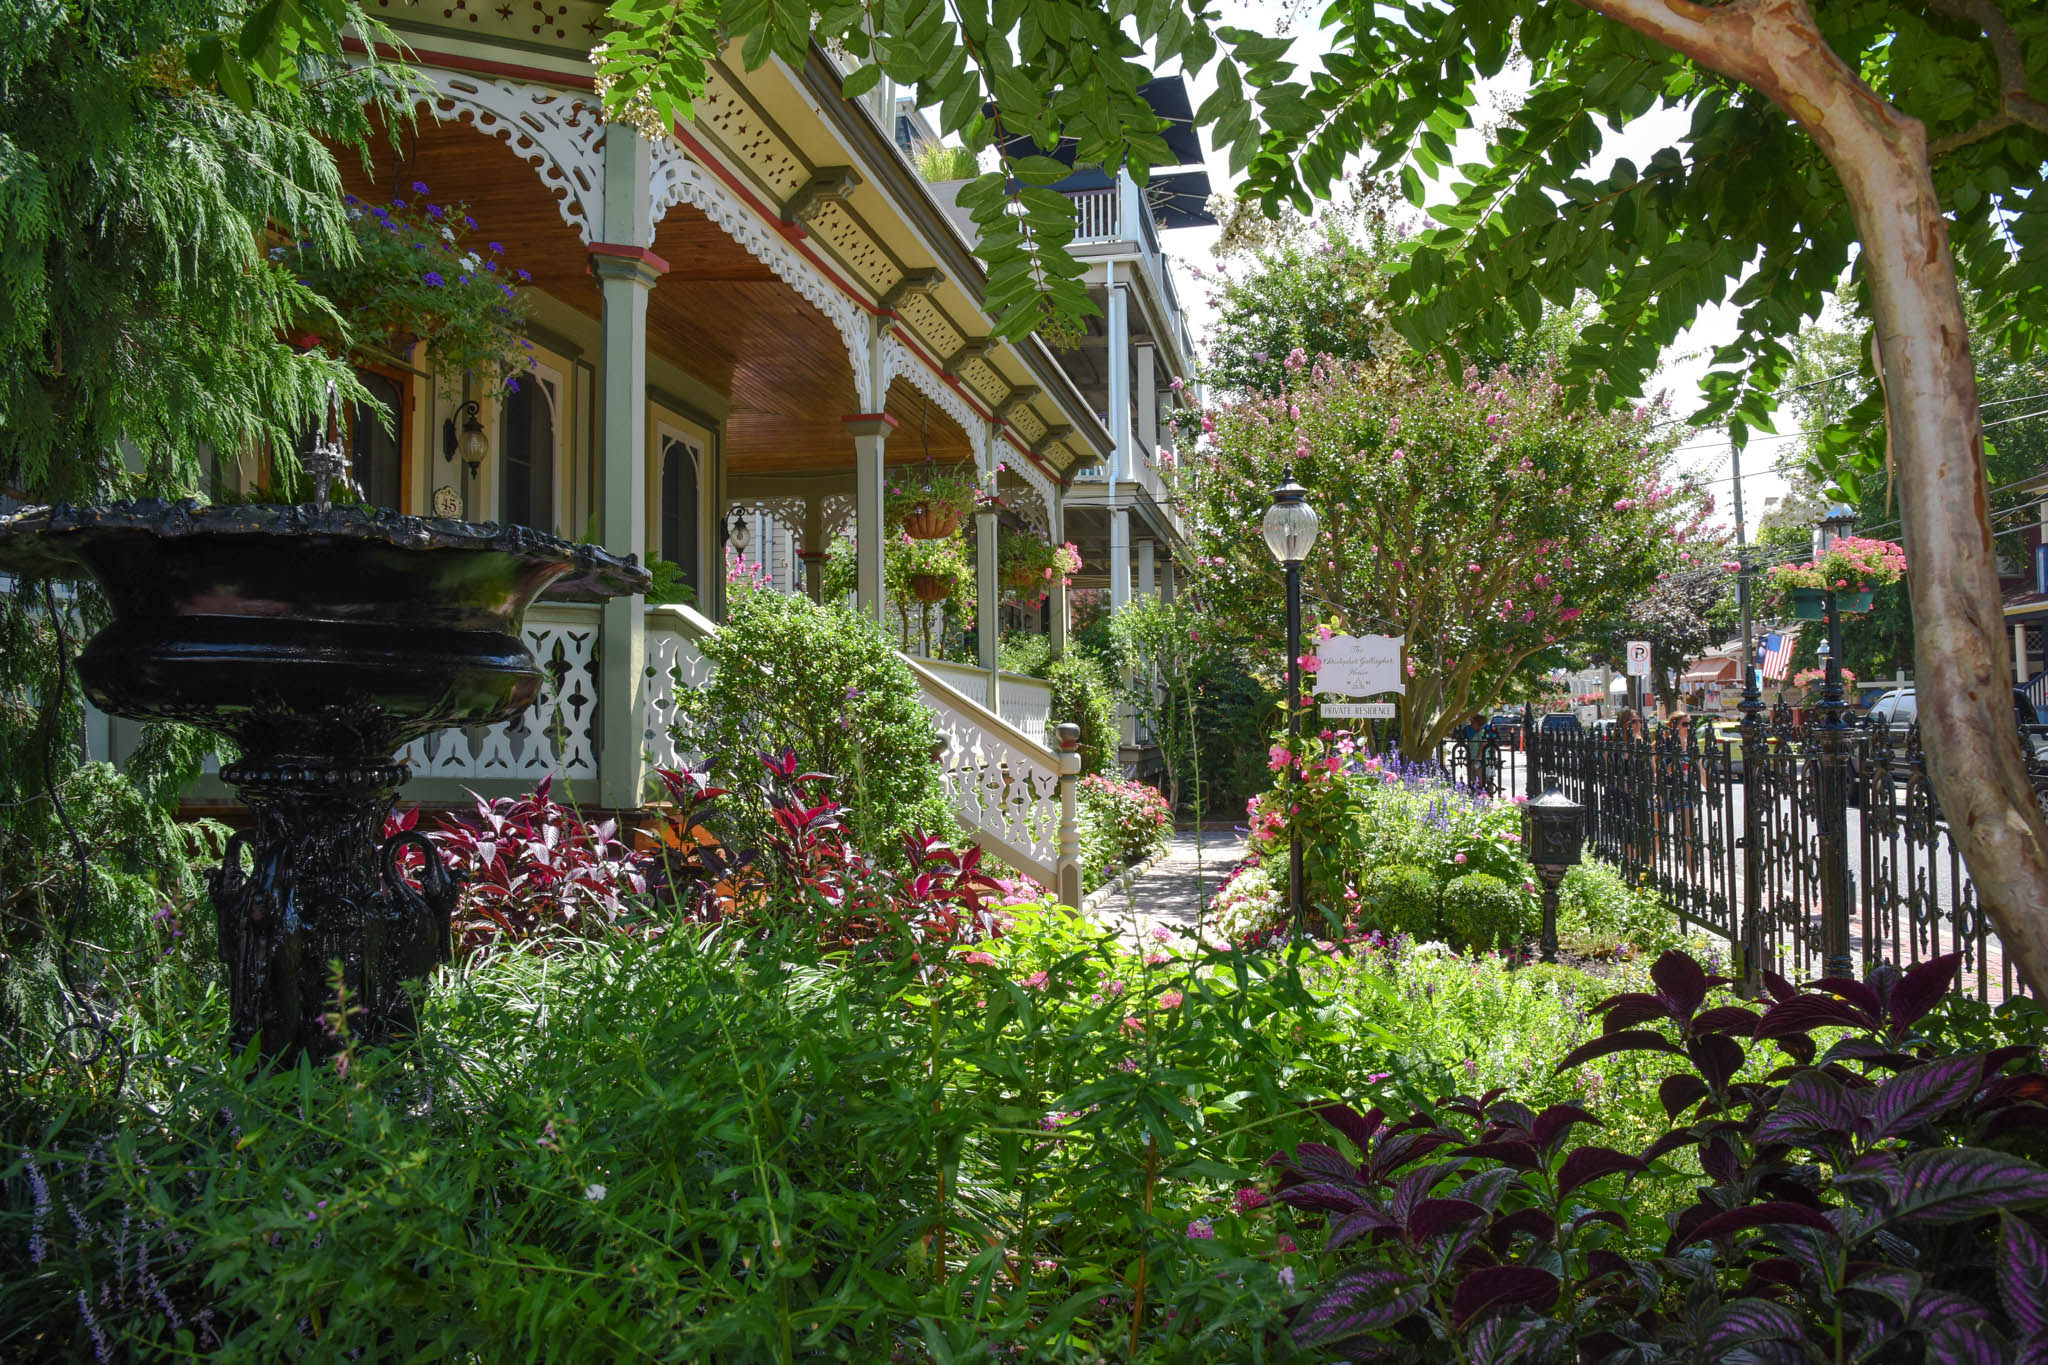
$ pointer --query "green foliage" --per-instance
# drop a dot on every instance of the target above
(1123, 823)
(669, 586)
(1745, 202)
(1601, 915)
(98, 879)
(1402, 899)
(424, 270)
(789, 674)
(1234, 711)
(1483, 913)
(941, 161)
(140, 304)
(1025, 652)
(1479, 516)
(1157, 646)
(1081, 695)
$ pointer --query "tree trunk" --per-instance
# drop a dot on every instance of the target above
(1962, 667)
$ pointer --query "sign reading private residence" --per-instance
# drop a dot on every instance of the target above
(1360, 665)
(1358, 710)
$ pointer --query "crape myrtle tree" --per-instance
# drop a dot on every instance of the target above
(1481, 516)
(1855, 129)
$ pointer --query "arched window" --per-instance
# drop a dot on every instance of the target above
(532, 440)
(682, 469)
(376, 459)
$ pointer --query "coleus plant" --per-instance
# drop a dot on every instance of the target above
(1869, 1198)
(531, 868)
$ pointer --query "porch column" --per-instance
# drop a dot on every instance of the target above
(1166, 584)
(1056, 514)
(1119, 558)
(870, 430)
(1148, 578)
(1145, 388)
(815, 554)
(2019, 653)
(988, 626)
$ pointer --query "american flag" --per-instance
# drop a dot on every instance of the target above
(1773, 654)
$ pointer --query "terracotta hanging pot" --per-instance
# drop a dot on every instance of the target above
(928, 523)
(932, 587)
(1024, 578)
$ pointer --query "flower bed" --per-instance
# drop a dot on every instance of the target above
(1123, 824)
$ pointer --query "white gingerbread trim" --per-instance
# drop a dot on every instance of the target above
(562, 137)
(674, 177)
(897, 360)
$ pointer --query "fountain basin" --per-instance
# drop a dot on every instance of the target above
(320, 640)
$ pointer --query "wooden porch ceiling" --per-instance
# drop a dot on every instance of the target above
(718, 314)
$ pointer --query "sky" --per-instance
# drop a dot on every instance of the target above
(1705, 453)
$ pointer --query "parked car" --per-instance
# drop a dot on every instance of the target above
(1897, 711)
(1566, 723)
(1507, 728)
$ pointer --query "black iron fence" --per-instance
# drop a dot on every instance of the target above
(1812, 851)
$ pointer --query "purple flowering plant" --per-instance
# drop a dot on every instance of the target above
(422, 273)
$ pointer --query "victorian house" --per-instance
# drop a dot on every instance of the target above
(738, 329)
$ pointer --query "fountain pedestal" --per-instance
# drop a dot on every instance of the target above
(320, 640)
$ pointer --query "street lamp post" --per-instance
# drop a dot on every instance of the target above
(1832, 734)
(1290, 530)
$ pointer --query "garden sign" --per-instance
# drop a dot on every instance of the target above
(1360, 666)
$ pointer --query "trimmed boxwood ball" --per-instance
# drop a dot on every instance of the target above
(1403, 900)
(1480, 912)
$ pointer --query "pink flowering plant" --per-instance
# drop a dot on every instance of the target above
(1358, 813)
(1028, 566)
(1488, 518)
(1851, 564)
(1123, 823)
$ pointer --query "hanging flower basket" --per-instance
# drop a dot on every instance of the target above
(1029, 566)
(929, 521)
(1853, 602)
(423, 271)
(930, 503)
(931, 587)
(1809, 604)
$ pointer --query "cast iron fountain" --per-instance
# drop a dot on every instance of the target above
(320, 639)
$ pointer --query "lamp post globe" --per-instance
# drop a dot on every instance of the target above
(1290, 527)
(1291, 523)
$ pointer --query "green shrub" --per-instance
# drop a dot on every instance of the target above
(1403, 899)
(1024, 652)
(789, 673)
(1122, 824)
(1599, 913)
(1482, 912)
(1081, 695)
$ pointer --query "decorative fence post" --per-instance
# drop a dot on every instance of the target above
(1832, 736)
(1755, 755)
(1069, 853)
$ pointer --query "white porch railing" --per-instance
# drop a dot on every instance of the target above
(1097, 210)
(557, 735)
(1024, 702)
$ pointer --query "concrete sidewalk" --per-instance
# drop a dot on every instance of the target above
(1171, 892)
